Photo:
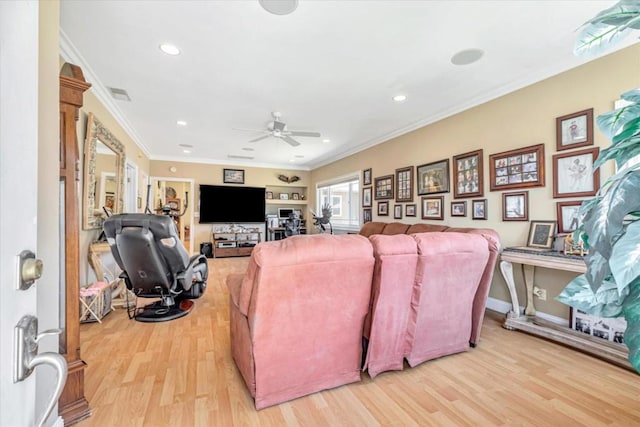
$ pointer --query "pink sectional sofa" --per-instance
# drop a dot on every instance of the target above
(300, 311)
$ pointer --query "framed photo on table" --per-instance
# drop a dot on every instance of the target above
(573, 174)
(433, 178)
(574, 130)
(404, 184)
(515, 206)
(541, 234)
(467, 175)
(432, 207)
(520, 168)
(384, 187)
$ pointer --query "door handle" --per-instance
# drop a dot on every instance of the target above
(26, 358)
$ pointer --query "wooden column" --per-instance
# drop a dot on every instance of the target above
(72, 406)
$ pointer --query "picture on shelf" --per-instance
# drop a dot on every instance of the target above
(295, 196)
(609, 329)
(284, 196)
(269, 195)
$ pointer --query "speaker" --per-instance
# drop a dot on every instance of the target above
(206, 249)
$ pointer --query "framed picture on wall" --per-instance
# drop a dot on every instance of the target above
(233, 176)
(574, 130)
(410, 210)
(520, 168)
(459, 208)
(568, 218)
(384, 187)
(573, 174)
(366, 177)
(366, 215)
(404, 184)
(433, 178)
(432, 207)
(479, 209)
(397, 211)
(467, 175)
(611, 329)
(383, 208)
(515, 206)
(366, 197)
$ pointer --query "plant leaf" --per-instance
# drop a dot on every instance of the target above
(606, 28)
(597, 269)
(605, 302)
(631, 311)
(610, 123)
(625, 256)
(623, 150)
(630, 129)
(632, 95)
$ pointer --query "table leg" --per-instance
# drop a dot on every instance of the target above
(527, 270)
(506, 268)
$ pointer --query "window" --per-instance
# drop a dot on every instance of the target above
(343, 198)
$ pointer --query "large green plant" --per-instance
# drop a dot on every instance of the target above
(610, 221)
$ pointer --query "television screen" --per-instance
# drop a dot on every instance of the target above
(230, 204)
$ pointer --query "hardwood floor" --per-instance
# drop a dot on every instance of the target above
(181, 373)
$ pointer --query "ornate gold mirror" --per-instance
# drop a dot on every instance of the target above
(103, 174)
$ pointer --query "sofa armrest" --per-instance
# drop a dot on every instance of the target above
(234, 284)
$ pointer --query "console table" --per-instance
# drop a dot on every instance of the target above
(530, 259)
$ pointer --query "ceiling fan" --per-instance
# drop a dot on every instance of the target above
(278, 129)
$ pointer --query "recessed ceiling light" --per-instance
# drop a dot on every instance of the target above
(186, 151)
(299, 156)
(181, 123)
(292, 160)
(169, 49)
(185, 145)
(279, 7)
(326, 141)
(248, 149)
(399, 98)
(467, 56)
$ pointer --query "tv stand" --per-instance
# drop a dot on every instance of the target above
(234, 243)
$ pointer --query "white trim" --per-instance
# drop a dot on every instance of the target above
(70, 54)
(231, 162)
(133, 198)
(153, 179)
(339, 179)
(504, 307)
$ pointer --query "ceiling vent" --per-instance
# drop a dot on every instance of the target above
(233, 156)
(119, 94)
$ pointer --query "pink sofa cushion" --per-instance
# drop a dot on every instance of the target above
(450, 267)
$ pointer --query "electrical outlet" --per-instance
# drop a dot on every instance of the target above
(540, 293)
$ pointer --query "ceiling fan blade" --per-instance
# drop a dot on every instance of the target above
(303, 133)
(290, 141)
(260, 138)
(250, 130)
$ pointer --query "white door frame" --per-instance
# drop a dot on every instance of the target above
(130, 187)
(154, 179)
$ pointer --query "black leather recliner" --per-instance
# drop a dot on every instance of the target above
(156, 264)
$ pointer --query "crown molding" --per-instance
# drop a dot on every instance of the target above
(234, 162)
(70, 54)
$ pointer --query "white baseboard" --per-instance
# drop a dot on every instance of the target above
(504, 307)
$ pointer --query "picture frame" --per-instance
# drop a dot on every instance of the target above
(611, 329)
(573, 174)
(574, 130)
(410, 210)
(568, 218)
(366, 215)
(468, 175)
(233, 176)
(284, 196)
(404, 184)
(459, 208)
(139, 202)
(541, 234)
(479, 209)
(433, 178)
(519, 168)
(295, 196)
(269, 195)
(383, 208)
(366, 197)
(515, 206)
(366, 177)
(384, 187)
(432, 207)
(397, 211)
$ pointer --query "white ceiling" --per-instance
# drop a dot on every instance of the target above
(331, 67)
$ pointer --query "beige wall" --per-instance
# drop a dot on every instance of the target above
(212, 174)
(523, 118)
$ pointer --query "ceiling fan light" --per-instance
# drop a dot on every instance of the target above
(279, 7)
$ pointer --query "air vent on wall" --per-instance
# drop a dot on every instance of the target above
(119, 94)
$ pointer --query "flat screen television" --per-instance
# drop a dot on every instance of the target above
(230, 204)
